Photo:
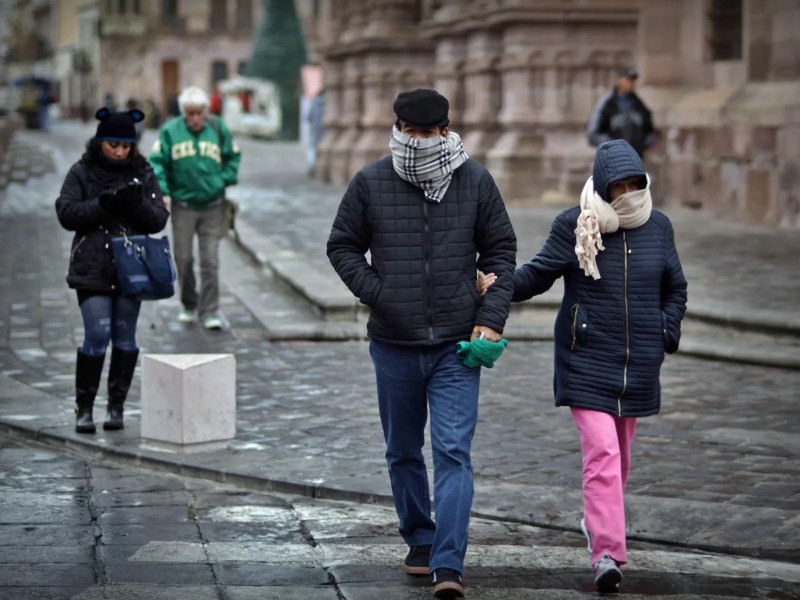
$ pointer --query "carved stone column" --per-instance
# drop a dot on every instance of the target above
(382, 55)
(549, 86)
(349, 116)
(516, 159)
(482, 93)
(449, 75)
(334, 101)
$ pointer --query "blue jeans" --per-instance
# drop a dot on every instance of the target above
(109, 319)
(412, 379)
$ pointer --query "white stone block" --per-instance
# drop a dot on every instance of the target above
(188, 398)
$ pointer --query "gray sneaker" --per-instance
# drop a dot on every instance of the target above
(607, 575)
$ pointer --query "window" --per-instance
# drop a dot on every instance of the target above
(219, 71)
(244, 14)
(169, 9)
(123, 7)
(219, 16)
(726, 29)
(241, 69)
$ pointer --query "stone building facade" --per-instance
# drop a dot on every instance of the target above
(155, 48)
(721, 76)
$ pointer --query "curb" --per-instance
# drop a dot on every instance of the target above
(193, 469)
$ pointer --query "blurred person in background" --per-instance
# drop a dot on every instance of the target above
(195, 160)
(621, 115)
(316, 129)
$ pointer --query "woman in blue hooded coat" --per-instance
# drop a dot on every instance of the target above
(624, 300)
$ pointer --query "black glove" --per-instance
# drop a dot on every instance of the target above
(130, 196)
(123, 199)
(108, 202)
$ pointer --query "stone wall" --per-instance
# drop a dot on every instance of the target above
(734, 152)
(523, 75)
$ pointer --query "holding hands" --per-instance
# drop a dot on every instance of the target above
(484, 282)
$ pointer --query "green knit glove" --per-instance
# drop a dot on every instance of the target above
(480, 352)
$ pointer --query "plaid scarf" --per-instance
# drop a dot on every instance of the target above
(427, 163)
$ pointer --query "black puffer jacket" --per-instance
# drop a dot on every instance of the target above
(91, 265)
(420, 284)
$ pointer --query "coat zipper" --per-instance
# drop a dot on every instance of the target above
(575, 308)
(627, 327)
(426, 231)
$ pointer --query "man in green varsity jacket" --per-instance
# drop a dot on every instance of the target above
(195, 159)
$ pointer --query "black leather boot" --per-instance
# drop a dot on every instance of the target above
(88, 370)
(120, 375)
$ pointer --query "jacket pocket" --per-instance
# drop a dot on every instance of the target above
(671, 342)
(470, 291)
(373, 297)
(580, 325)
(77, 265)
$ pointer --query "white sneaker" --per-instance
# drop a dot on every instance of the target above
(212, 322)
(186, 315)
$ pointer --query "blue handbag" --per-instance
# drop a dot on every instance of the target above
(145, 269)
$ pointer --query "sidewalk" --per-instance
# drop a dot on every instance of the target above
(742, 278)
(717, 470)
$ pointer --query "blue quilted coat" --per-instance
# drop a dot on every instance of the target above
(611, 334)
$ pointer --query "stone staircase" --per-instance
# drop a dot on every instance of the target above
(329, 311)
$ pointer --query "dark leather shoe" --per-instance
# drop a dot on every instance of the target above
(83, 420)
(113, 418)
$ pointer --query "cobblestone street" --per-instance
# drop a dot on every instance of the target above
(716, 471)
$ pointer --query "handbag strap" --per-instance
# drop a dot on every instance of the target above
(141, 252)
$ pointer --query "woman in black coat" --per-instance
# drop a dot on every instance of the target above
(624, 300)
(110, 189)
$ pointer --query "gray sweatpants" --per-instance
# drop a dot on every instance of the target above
(207, 224)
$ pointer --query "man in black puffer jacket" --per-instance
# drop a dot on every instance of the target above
(429, 216)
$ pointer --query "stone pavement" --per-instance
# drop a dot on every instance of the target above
(82, 528)
(717, 470)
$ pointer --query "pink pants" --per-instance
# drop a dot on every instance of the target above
(606, 444)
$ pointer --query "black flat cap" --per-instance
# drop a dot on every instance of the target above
(424, 108)
(628, 72)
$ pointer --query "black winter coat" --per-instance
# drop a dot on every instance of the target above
(420, 281)
(609, 122)
(91, 264)
(611, 334)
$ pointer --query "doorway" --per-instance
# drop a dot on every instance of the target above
(169, 87)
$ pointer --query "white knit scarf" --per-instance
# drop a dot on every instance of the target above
(428, 163)
(597, 216)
